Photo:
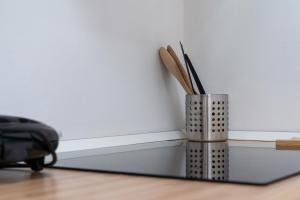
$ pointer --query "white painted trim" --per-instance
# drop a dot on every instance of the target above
(261, 136)
(95, 143)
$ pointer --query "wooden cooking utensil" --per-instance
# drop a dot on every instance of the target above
(172, 67)
(180, 66)
(288, 144)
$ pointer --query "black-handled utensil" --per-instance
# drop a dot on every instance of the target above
(187, 68)
(195, 75)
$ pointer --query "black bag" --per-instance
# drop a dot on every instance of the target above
(27, 141)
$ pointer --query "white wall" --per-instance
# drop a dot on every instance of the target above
(90, 68)
(251, 50)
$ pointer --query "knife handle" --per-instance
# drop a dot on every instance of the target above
(195, 75)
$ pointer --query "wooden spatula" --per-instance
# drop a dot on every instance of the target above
(292, 144)
(288, 144)
(172, 67)
(180, 66)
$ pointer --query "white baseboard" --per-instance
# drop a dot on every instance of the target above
(262, 136)
(95, 143)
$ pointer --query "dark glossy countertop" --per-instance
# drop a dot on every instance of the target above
(248, 163)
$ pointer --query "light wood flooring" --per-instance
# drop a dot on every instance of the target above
(74, 185)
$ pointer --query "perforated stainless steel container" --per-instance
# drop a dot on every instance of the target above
(207, 161)
(207, 117)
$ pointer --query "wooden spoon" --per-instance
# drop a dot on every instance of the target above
(172, 67)
(287, 145)
(180, 66)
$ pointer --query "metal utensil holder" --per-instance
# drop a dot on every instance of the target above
(208, 161)
(207, 117)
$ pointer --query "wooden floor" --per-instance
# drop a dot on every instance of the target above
(60, 184)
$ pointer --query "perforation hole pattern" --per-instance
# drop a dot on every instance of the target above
(194, 122)
(198, 167)
(219, 161)
(195, 163)
(219, 117)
